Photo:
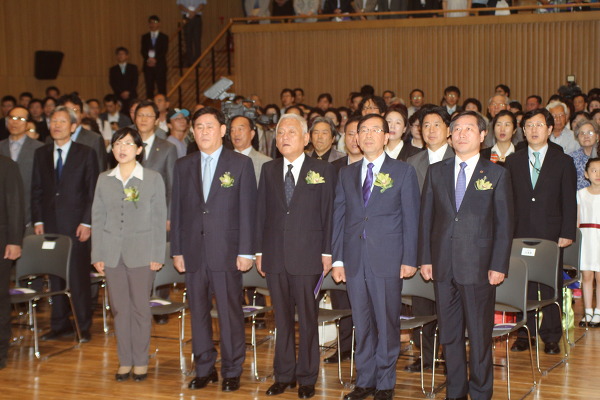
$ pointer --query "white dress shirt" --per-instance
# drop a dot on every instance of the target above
(138, 172)
(542, 152)
(296, 166)
(396, 151)
(438, 155)
(148, 145)
(377, 163)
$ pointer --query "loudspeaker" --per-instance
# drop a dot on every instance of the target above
(47, 64)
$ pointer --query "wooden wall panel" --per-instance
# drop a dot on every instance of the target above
(87, 32)
(531, 53)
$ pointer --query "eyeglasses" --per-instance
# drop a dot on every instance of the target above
(556, 116)
(452, 95)
(532, 125)
(123, 144)
(497, 104)
(18, 119)
(370, 108)
(587, 133)
(417, 97)
(76, 109)
(366, 131)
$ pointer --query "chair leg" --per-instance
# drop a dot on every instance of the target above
(508, 368)
(530, 356)
(36, 339)
(77, 330)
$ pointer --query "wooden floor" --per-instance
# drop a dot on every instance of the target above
(87, 372)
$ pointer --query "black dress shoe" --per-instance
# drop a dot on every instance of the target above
(139, 377)
(279, 387)
(231, 384)
(456, 398)
(333, 359)
(306, 391)
(122, 377)
(384, 394)
(53, 335)
(520, 345)
(359, 393)
(85, 337)
(416, 366)
(552, 348)
(161, 319)
(202, 381)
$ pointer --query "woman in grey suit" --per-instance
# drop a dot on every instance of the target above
(129, 216)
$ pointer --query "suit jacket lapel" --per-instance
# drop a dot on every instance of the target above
(196, 174)
(358, 181)
(479, 173)
(278, 181)
(222, 165)
(376, 191)
(448, 173)
(301, 184)
(545, 172)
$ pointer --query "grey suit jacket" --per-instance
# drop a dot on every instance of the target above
(135, 231)
(333, 155)
(258, 159)
(25, 161)
(96, 142)
(161, 158)
(421, 163)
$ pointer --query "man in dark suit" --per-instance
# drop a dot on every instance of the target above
(294, 222)
(212, 241)
(123, 78)
(20, 148)
(392, 5)
(155, 46)
(82, 135)
(464, 246)
(113, 112)
(62, 192)
(544, 185)
(12, 212)
(375, 246)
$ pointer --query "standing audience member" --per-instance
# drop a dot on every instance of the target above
(293, 233)
(396, 147)
(544, 185)
(12, 214)
(242, 130)
(306, 8)
(562, 135)
(128, 245)
(62, 191)
(7, 103)
(505, 126)
(123, 78)
(588, 207)
(191, 10)
(212, 241)
(322, 133)
(154, 48)
(587, 135)
(452, 98)
(179, 129)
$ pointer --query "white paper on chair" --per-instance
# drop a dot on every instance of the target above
(526, 251)
(48, 245)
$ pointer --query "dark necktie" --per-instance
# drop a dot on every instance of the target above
(368, 183)
(289, 184)
(461, 185)
(59, 165)
(153, 39)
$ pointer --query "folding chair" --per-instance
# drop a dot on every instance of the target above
(168, 275)
(417, 286)
(100, 280)
(511, 296)
(571, 263)
(44, 255)
(541, 257)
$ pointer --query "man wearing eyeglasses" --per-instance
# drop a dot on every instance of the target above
(544, 185)
(375, 228)
(497, 103)
(562, 135)
(417, 99)
(451, 98)
(20, 148)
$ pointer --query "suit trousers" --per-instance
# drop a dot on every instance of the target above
(376, 304)
(129, 292)
(226, 286)
(424, 307)
(193, 39)
(470, 306)
(5, 333)
(156, 75)
(81, 291)
(290, 293)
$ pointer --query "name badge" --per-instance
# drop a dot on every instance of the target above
(48, 245)
(528, 252)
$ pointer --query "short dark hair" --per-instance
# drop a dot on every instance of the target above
(9, 98)
(71, 98)
(26, 94)
(299, 90)
(385, 125)
(144, 104)
(325, 96)
(504, 113)
(441, 111)
(354, 118)
(505, 88)
(49, 88)
(288, 90)
(585, 98)
(534, 96)
(92, 100)
(379, 102)
(47, 99)
(250, 122)
(111, 98)
(354, 95)
(209, 110)
(121, 48)
(324, 120)
(336, 112)
(23, 108)
(135, 135)
(153, 18)
(472, 100)
(366, 90)
(451, 89)
(295, 107)
(416, 90)
(388, 91)
(481, 123)
(590, 161)
(516, 104)
(36, 101)
(275, 106)
(530, 114)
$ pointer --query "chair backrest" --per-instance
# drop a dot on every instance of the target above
(417, 286)
(541, 257)
(45, 254)
(168, 274)
(513, 291)
(572, 254)
(330, 284)
(252, 278)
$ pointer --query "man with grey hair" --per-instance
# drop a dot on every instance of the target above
(293, 235)
(322, 132)
(497, 103)
(561, 134)
(62, 191)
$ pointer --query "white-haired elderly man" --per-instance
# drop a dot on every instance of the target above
(561, 134)
(294, 233)
(497, 103)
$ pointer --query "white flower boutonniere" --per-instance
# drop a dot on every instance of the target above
(483, 184)
(227, 180)
(384, 181)
(314, 178)
(132, 194)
